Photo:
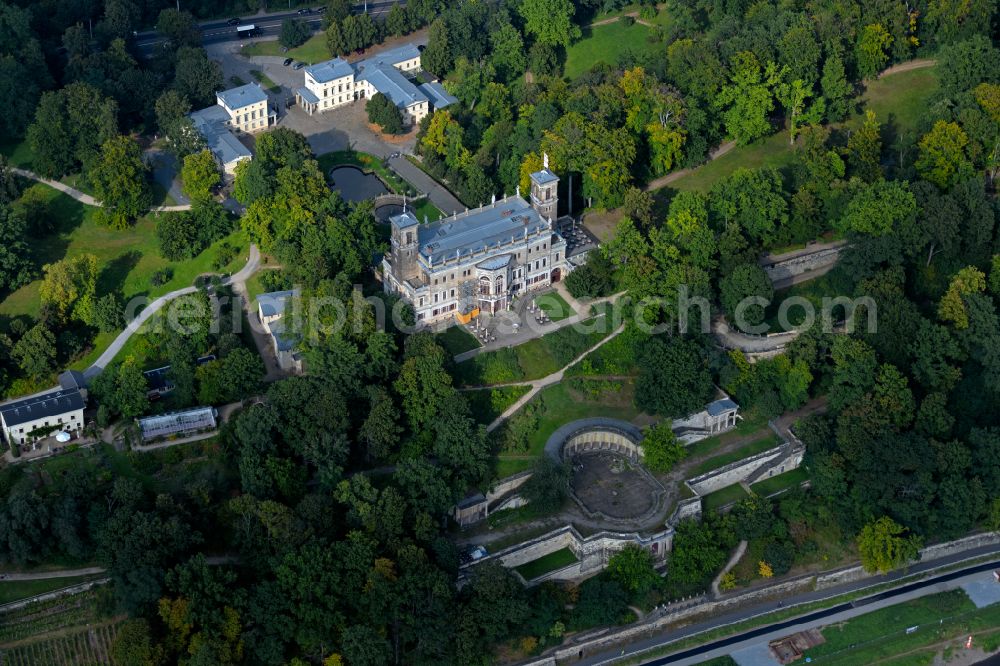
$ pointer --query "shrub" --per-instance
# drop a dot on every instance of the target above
(162, 276)
(382, 112)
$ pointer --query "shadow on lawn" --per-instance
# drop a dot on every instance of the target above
(113, 274)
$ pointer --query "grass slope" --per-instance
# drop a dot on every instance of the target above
(13, 590)
(313, 51)
(546, 563)
(899, 101)
(606, 43)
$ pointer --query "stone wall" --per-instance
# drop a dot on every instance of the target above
(779, 459)
(506, 485)
(689, 508)
(602, 439)
(592, 552)
(799, 263)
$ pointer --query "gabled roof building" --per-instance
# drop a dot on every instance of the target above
(242, 109)
(35, 417)
(334, 83)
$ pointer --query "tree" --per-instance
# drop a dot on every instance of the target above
(548, 486)
(550, 21)
(69, 287)
(71, 125)
(179, 27)
(885, 545)
(864, 149)
(35, 352)
(632, 568)
(836, 90)
(754, 199)
(942, 157)
(881, 209)
(395, 21)
(16, 267)
(952, 307)
(109, 313)
(200, 174)
(748, 98)
(854, 368)
(293, 33)
(793, 98)
(871, 50)
(336, 43)
(673, 378)
(384, 113)
(746, 282)
(508, 53)
(196, 77)
(660, 448)
(120, 184)
(130, 397)
(968, 63)
(172, 120)
(437, 56)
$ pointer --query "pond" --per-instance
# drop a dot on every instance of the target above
(356, 185)
(385, 211)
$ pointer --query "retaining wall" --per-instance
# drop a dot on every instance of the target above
(602, 439)
(805, 263)
(780, 459)
(506, 485)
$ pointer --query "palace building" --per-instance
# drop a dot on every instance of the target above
(480, 260)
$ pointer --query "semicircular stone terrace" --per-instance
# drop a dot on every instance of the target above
(593, 435)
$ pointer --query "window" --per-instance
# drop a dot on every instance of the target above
(453, 293)
(557, 256)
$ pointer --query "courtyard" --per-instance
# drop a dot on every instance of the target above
(608, 484)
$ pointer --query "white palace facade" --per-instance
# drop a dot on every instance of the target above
(478, 261)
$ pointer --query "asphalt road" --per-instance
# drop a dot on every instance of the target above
(269, 25)
(818, 618)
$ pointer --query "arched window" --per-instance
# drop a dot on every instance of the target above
(499, 284)
(484, 286)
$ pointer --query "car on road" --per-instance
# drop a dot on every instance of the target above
(321, 9)
(304, 10)
(298, 65)
(288, 61)
(233, 21)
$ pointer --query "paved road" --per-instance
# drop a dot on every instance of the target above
(439, 195)
(267, 25)
(82, 197)
(48, 575)
(762, 634)
(253, 263)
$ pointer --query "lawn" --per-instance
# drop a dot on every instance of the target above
(607, 43)
(368, 163)
(312, 52)
(455, 340)
(900, 100)
(487, 404)
(12, 590)
(750, 423)
(791, 479)
(543, 565)
(558, 405)
(555, 306)
(724, 496)
(829, 285)
(127, 258)
(423, 209)
(882, 634)
(769, 440)
(534, 359)
(265, 81)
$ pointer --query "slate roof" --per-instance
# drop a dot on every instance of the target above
(495, 263)
(544, 176)
(404, 220)
(72, 379)
(157, 379)
(283, 340)
(438, 96)
(275, 302)
(211, 124)
(54, 403)
(479, 229)
(720, 406)
(396, 55)
(307, 95)
(390, 82)
(237, 98)
(330, 70)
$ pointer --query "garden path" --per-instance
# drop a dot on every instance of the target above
(84, 198)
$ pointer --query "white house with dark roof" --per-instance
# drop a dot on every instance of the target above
(242, 109)
(334, 83)
(271, 310)
(27, 420)
(478, 261)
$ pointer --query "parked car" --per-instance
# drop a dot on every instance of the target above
(288, 61)
(233, 21)
(298, 65)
